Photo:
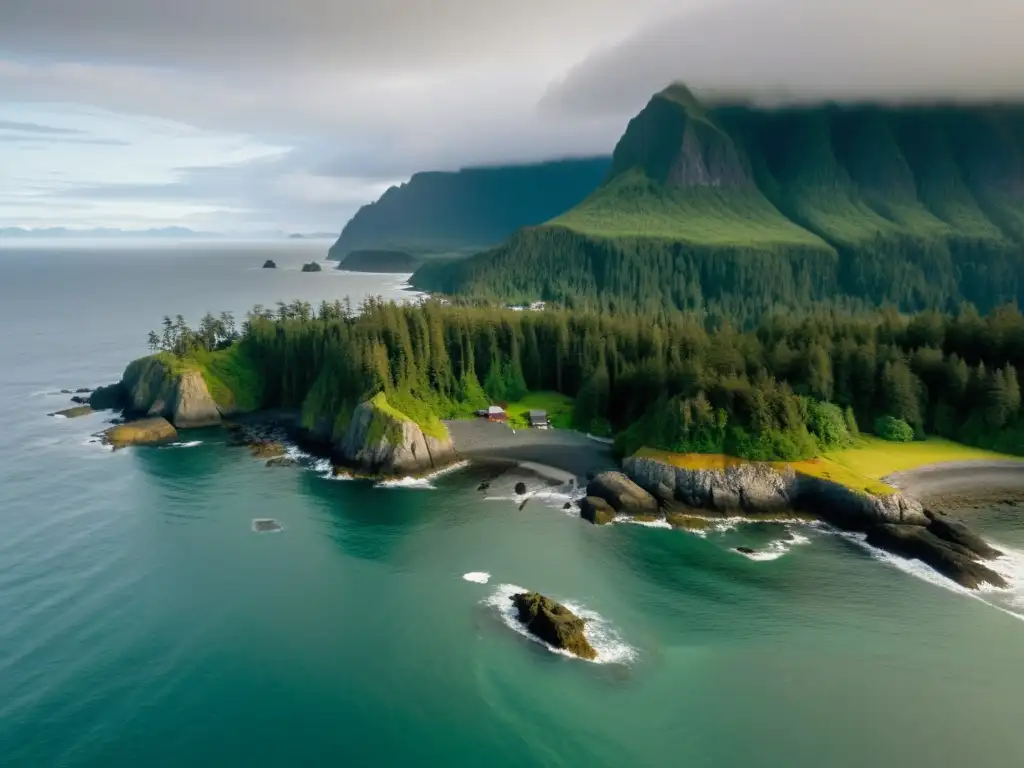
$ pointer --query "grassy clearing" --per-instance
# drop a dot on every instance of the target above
(861, 468)
(558, 407)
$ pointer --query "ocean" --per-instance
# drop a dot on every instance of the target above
(144, 622)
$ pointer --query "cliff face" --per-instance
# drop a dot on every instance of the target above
(474, 208)
(151, 389)
(382, 440)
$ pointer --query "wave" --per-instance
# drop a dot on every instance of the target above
(1010, 566)
(425, 482)
(610, 647)
(627, 520)
(777, 548)
(185, 444)
(477, 577)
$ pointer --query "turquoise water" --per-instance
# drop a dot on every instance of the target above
(144, 623)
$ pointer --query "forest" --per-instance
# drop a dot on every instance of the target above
(790, 387)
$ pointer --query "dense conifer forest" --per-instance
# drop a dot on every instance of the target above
(790, 387)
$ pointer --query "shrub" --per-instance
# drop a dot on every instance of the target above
(894, 430)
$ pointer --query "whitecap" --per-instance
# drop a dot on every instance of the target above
(186, 444)
(776, 549)
(477, 577)
(424, 481)
(627, 520)
(610, 647)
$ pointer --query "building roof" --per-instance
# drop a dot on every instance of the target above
(538, 416)
(495, 409)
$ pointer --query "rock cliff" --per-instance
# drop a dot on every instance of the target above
(150, 388)
(383, 440)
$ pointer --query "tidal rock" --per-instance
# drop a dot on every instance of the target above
(952, 560)
(956, 532)
(622, 494)
(267, 449)
(567, 505)
(746, 551)
(83, 391)
(269, 264)
(382, 440)
(311, 267)
(80, 400)
(520, 488)
(66, 392)
(553, 623)
(152, 431)
(74, 413)
(282, 461)
(484, 485)
(597, 510)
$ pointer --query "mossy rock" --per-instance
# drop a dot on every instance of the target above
(153, 431)
(553, 623)
(74, 413)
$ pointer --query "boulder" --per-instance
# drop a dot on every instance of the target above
(952, 560)
(267, 449)
(622, 494)
(553, 623)
(152, 431)
(597, 510)
(382, 440)
(955, 532)
(111, 397)
(269, 264)
(80, 400)
(282, 461)
(520, 488)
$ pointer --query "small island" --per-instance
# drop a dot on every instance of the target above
(553, 623)
(382, 261)
(311, 267)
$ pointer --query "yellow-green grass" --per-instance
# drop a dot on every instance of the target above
(860, 468)
(557, 406)
(230, 375)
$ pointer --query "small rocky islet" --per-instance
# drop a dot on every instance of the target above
(553, 623)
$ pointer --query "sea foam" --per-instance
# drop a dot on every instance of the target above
(776, 549)
(477, 577)
(610, 647)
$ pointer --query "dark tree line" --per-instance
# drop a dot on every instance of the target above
(788, 388)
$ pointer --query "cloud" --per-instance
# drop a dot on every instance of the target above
(61, 139)
(795, 50)
(36, 128)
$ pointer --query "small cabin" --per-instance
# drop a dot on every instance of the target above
(496, 413)
(539, 419)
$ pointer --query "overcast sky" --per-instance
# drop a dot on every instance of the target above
(247, 115)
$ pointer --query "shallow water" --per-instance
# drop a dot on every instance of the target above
(145, 623)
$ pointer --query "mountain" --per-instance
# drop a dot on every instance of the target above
(744, 209)
(380, 261)
(440, 212)
(101, 232)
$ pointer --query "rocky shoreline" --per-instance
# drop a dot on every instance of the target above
(647, 489)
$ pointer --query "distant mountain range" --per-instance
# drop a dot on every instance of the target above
(749, 209)
(464, 211)
(102, 232)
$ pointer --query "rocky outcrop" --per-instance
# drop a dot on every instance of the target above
(192, 405)
(269, 264)
(622, 494)
(553, 623)
(382, 440)
(151, 431)
(311, 267)
(73, 413)
(597, 510)
(148, 387)
(892, 521)
(950, 558)
(111, 397)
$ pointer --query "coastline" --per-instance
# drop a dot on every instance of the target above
(953, 480)
(562, 450)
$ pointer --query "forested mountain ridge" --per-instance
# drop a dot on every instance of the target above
(474, 208)
(741, 209)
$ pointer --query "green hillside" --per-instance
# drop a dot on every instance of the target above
(742, 209)
(471, 209)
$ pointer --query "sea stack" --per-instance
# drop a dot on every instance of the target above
(553, 623)
(269, 264)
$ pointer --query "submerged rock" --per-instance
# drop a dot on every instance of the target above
(622, 494)
(282, 461)
(152, 431)
(74, 413)
(266, 525)
(597, 510)
(951, 559)
(267, 449)
(553, 623)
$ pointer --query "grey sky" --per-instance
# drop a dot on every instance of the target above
(333, 99)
